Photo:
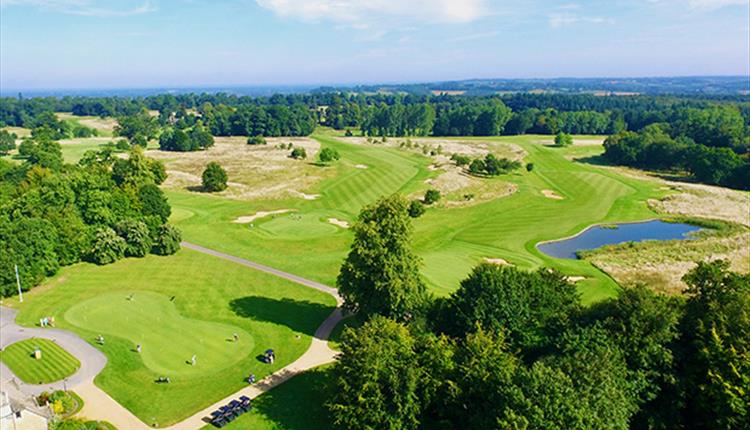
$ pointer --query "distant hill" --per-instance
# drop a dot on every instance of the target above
(697, 85)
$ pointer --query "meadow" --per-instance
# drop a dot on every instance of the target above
(176, 307)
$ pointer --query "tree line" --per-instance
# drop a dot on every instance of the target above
(101, 209)
(517, 349)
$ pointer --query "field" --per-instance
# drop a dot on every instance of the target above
(130, 303)
(450, 238)
(55, 364)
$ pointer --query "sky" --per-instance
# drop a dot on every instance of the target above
(66, 44)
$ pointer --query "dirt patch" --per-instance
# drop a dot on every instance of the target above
(258, 215)
(255, 171)
(338, 222)
(498, 261)
(552, 195)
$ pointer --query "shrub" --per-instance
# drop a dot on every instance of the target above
(431, 196)
(476, 167)
(167, 240)
(298, 153)
(461, 160)
(328, 154)
(122, 145)
(416, 209)
(107, 246)
(563, 139)
(136, 237)
(256, 140)
(214, 177)
(529, 167)
(7, 141)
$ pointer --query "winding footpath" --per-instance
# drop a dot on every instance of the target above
(100, 406)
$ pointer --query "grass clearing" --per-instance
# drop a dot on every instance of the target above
(214, 299)
(104, 126)
(55, 363)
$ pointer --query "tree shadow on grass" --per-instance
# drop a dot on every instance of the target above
(300, 316)
(299, 402)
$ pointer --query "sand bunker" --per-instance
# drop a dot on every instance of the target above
(552, 195)
(338, 222)
(361, 166)
(307, 196)
(498, 261)
(574, 279)
(262, 214)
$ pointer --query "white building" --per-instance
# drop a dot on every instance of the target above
(16, 417)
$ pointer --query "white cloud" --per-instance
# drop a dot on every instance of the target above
(557, 20)
(715, 4)
(84, 7)
(359, 12)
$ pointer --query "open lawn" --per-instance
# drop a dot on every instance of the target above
(54, 365)
(560, 197)
(130, 303)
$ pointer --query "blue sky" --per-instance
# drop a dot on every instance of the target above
(145, 43)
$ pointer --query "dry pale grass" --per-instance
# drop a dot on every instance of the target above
(661, 265)
(446, 147)
(461, 189)
(20, 132)
(106, 125)
(255, 171)
(705, 201)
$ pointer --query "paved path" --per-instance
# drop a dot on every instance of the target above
(92, 360)
(99, 405)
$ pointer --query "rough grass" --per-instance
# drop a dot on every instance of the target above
(55, 364)
(212, 297)
(104, 126)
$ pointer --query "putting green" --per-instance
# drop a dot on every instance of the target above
(54, 365)
(168, 339)
(296, 226)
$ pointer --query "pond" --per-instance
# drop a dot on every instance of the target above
(597, 236)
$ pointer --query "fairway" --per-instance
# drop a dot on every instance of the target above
(54, 365)
(560, 197)
(214, 299)
(168, 340)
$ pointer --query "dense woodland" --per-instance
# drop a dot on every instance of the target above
(709, 138)
(102, 209)
(511, 349)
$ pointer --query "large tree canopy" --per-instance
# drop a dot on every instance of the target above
(381, 273)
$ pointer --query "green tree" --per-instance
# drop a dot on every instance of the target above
(214, 177)
(167, 240)
(140, 124)
(645, 326)
(381, 273)
(107, 247)
(715, 366)
(376, 378)
(327, 155)
(29, 243)
(531, 307)
(416, 209)
(431, 196)
(563, 139)
(154, 202)
(7, 142)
